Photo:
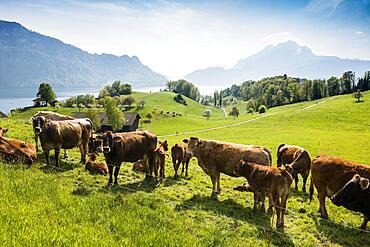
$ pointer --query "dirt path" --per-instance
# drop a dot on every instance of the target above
(224, 111)
(243, 122)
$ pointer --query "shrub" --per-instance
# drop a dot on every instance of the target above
(262, 109)
(207, 114)
(250, 110)
(179, 99)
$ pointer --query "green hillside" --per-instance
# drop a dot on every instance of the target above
(49, 206)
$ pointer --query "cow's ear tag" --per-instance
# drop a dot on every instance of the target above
(364, 182)
(185, 141)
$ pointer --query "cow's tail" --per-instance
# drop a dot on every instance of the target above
(287, 175)
(311, 188)
(278, 155)
(92, 126)
(269, 154)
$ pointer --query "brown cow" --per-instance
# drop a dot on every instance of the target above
(179, 155)
(65, 134)
(216, 157)
(96, 167)
(159, 157)
(330, 174)
(50, 116)
(126, 147)
(139, 166)
(267, 180)
(296, 159)
(12, 149)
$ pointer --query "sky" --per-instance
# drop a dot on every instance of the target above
(175, 38)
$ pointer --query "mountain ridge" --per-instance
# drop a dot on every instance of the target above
(284, 58)
(28, 58)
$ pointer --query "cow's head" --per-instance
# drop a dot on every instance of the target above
(350, 189)
(95, 144)
(3, 130)
(38, 123)
(194, 146)
(108, 141)
(239, 168)
(164, 145)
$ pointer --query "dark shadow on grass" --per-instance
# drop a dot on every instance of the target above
(341, 234)
(361, 101)
(299, 193)
(81, 191)
(63, 167)
(144, 185)
(234, 210)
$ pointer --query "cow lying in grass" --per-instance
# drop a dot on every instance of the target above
(330, 174)
(139, 166)
(16, 150)
(179, 155)
(96, 167)
(355, 196)
(159, 156)
(266, 180)
(297, 160)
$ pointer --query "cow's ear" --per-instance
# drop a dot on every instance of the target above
(185, 141)
(200, 143)
(5, 130)
(117, 139)
(364, 182)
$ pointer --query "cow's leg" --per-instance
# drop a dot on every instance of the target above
(37, 142)
(364, 223)
(47, 156)
(214, 184)
(155, 167)
(116, 172)
(110, 169)
(187, 166)
(305, 176)
(150, 160)
(262, 200)
(322, 197)
(283, 207)
(295, 176)
(177, 168)
(162, 169)
(57, 151)
(271, 202)
(65, 155)
(277, 210)
(255, 199)
(218, 183)
(83, 151)
(183, 166)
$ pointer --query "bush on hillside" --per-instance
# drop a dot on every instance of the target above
(179, 99)
(262, 109)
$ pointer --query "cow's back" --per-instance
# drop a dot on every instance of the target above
(178, 152)
(53, 116)
(330, 174)
(224, 156)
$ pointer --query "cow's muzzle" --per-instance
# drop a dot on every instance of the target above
(106, 149)
(38, 129)
(189, 155)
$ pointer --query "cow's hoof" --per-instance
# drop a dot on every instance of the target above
(109, 184)
(324, 217)
(214, 194)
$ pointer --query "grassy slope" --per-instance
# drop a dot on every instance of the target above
(65, 207)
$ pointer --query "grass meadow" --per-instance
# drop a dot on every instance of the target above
(61, 207)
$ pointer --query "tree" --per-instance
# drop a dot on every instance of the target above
(149, 116)
(114, 114)
(71, 101)
(234, 111)
(207, 114)
(333, 86)
(261, 109)
(357, 95)
(347, 81)
(46, 93)
(93, 115)
(220, 100)
(185, 88)
(128, 101)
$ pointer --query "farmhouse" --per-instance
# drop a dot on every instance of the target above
(131, 121)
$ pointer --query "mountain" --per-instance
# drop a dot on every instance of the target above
(28, 58)
(285, 58)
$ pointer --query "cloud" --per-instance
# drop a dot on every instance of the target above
(359, 32)
(323, 6)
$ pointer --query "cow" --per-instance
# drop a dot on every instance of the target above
(126, 147)
(179, 155)
(96, 167)
(51, 116)
(330, 174)
(65, 134)
(263, 180)
(159, 157)
(355, 196)
(216, 157)
(296, 159)
(12, 149)
(139, 166)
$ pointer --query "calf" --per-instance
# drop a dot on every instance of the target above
(330, 174)
(267, 180)
(139, 166)
(355, 196)
(96, 167)
(159, 156)
(297, 160)
(179, 155)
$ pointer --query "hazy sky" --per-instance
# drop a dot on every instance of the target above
(178, 37)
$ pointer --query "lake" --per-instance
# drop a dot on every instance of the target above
(24, 97)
